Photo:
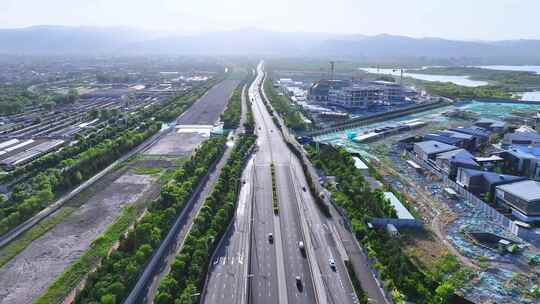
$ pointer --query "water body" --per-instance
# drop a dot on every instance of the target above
(459, 80)
(519, 68)
(534, 96)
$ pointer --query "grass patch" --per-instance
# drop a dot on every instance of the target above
(99, 248)
(179, 161)
(19, 244)
(147, 170)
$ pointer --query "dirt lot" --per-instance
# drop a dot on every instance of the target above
(207, 109)
(176, 144)
(29, 273)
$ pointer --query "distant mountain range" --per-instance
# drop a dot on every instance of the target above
(48, 40)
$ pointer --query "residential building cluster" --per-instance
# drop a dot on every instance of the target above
(507, 176)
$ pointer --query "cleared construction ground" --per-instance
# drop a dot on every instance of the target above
(29, 273)
(204, 112)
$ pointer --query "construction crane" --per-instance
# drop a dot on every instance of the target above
(333, 68)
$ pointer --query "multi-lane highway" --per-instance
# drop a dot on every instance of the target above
(271, 270)
(336, 286)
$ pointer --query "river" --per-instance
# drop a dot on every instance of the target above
(459, 80)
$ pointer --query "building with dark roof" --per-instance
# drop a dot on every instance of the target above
(522, 160)
(448, 137)
(492, 125)
(522, 136)
(428, 150)
(450, 161)
(522, 198)
(483, 182)
(480, 135)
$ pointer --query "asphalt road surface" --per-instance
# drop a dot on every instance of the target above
(274, 266)
(321, 230)
(289, 259)
(207, 109)
(227, 279)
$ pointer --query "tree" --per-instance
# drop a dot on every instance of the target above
(72, 96)
(444, 291)
(108, 299)
(164, 298)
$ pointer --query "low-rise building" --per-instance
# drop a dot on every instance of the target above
(492, 125)
(522, 198)
(428, 150)
(457, 139)
(450, 161)
(524, 136)
(481, 183)
(522, 160)
(480, 135)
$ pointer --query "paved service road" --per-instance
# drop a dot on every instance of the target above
(227, 275)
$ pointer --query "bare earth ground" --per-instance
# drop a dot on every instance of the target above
(176, 144)
(28, 274)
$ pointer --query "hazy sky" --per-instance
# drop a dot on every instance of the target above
(462, 19)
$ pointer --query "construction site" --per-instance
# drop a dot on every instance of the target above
(505, 266)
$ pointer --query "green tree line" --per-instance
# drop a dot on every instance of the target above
(231, 115)
(56, 173)
(30, 197)
(404, 278)
(118, 273)
(189, 267)
(290, 113)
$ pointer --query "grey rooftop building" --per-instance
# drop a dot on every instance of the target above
(523, 198)
(428, 150)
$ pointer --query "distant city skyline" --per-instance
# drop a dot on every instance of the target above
(458, 19)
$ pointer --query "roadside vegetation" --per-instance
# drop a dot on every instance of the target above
(402, 277)
(33, 196)
(119, 271)
(249, 123)
(290, 112)
(188, 270)
(275, 205)
(231, 115)
(42, 181)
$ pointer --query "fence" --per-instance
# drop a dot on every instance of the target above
(524, 233)
(398, 223)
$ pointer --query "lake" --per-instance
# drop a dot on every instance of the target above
(459, 80)
(521, 68)
(535, 96)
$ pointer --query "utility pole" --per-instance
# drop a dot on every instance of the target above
(332, 65)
